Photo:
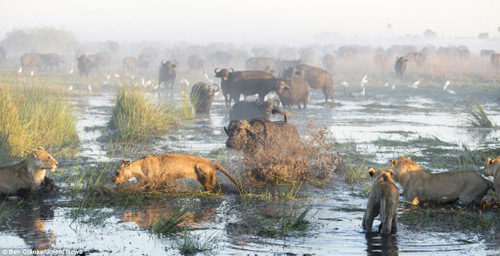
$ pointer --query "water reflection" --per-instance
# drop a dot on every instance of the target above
(29, 225)
(378, 244)
(150, 216)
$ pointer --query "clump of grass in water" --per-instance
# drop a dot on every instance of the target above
(136, 117)
(191, 245)
(170, 223)
(477, 115)
(33, 116)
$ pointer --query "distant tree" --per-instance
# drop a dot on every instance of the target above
(483, 35)
(39, 39)
(113, 46)
(429, 34)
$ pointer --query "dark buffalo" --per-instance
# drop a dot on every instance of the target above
(167, 73)
(292, 91)
(400, 67)
(201, 97)
(329, 62)
(317, 78)
(196, 63)
(234, 83)
(52, 59)
(266, 64)
(32, 60)
(223, 74)
(486, 53)
(3, 55)
(129, 65)
(248, 110)
(84, 64)
(261, 133)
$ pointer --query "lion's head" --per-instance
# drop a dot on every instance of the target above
(376, 175)
(126, 171)
(492, 166)
(41, 159)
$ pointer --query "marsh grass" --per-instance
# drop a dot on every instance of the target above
(449, 218)
(137, 117)
(190, 245)
(33, 116)
(477, 117)
(6, 211)
(169, 224)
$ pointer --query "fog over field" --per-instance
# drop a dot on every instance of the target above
(258, 21)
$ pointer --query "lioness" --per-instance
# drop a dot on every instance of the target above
(27, 175)
(492, 168)
(169, 167)
(383, 199)
(445, 187)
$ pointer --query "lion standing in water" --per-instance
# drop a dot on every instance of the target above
(383, 200)
(445, 187)
(162, 168)
(27, 175)
(493, 169)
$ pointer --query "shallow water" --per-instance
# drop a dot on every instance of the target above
(336, 213)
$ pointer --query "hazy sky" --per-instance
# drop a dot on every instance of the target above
(251, 20)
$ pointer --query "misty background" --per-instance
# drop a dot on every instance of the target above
(255, 22)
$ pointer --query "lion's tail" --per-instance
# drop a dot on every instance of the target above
(220, 168)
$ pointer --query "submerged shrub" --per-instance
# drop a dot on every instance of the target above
(34, 116)
(136, 117)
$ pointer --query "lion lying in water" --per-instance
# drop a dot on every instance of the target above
(493, 169)
(162, 168)
(445, 187)
(383, 200)
(27, 175)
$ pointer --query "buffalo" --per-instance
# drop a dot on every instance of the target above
(100, 59)
(262, 134)
(202, 96)
(32, 60)
(52, 59)
(167, 73)
(400, 67)
(84, 64)
(248, 110)
(317, 78)
(291, 91)
(129, 65)
(234, 83)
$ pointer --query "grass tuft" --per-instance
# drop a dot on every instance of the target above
(33, 116)
(477, 116)
(170, 223)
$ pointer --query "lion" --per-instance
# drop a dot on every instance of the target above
(492, 168)
(445, 187)
(167, 167)
(27, 175)
(383, 200)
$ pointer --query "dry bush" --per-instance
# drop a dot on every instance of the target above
(314, 159)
